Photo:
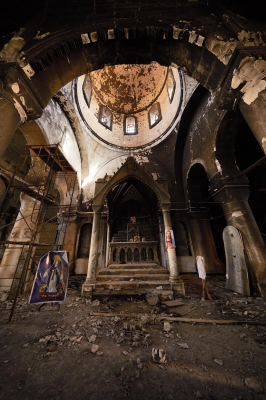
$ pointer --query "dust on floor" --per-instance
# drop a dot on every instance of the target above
(70, 354)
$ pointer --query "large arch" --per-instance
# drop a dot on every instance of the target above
(131, 170)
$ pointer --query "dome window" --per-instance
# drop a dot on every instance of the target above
(155, 115)
(130, 126)
(106, 117)
(87, 89)
(170, 83)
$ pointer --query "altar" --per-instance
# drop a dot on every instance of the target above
(133, 252)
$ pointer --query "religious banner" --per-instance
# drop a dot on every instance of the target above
(132, 220)
(169, 239)
(136, 239)
(51, 279)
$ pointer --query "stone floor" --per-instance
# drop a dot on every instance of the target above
(69, 354)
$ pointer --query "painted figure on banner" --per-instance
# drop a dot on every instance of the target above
(51, 279)
(132, 220)
(136, 239)
(169, 239)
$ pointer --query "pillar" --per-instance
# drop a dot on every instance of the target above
(203, 243)
(107, 243)
(254, 115)
(88, 286)
(174, 278)
(21, 231)
(238, 214)
(9, 121)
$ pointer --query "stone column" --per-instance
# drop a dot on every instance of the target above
(254, 115)
(88, 286)
(107, 243)
(2, 191)
(174, 278)
(21, 231)
(238, 214)
(203, 242)
(9, 121)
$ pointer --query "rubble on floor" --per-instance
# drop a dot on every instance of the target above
(71, 353)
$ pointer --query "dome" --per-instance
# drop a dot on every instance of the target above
(130, 106)
(128, 89)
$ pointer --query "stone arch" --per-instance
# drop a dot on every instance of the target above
(225, 144)
(131, 170)
(61, 57)
(136, 255)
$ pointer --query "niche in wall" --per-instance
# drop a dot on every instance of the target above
(84, 241)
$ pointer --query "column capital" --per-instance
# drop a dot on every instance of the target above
(17, 88)
(165, 206)
(97, 208)
(218, 183)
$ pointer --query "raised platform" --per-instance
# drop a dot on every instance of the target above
(132, 279)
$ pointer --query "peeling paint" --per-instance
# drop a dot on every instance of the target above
(15, 87)
(94, 36)
(85, 38)
(176, 32)
(11, 50)
(200, 41)
(192, 37)
(263, 142)
(111, 34)
(250, 38)
(21, 111)
(218, 165)
(28, 71)
(253, 72)
(221, 49)
(237, 214)
(41, 36)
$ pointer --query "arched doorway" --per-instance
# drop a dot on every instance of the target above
(206, 220)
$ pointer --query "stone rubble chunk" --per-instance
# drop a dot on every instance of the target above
(94, 348)
(159, 356)
(183, 345)
(167, 327)
(92, 338)
(253, 384)
(220, 362)
(95, 303)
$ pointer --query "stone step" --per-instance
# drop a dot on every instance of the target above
(123, 271)
(135, 266)
(149, 277)
(129, 292)
(133, 285)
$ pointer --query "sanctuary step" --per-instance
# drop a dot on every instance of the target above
(132, 278)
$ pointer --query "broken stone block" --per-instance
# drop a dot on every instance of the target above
(167, 327)
(92, 338)
(253, 384)
(94, 348)
(183, 345)
(220, 362)
(152, 299)
(159, 356)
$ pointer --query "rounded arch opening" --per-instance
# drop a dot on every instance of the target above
(204, 206)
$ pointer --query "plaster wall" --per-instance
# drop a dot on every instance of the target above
(58, 130)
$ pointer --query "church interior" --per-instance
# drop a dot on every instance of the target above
(132, 153)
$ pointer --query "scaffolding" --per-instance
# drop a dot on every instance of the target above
(41, 187)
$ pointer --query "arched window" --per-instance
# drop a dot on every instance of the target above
(130, 126)
(155, 115)
(106, 117)
(170, 83)
(87, 89)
